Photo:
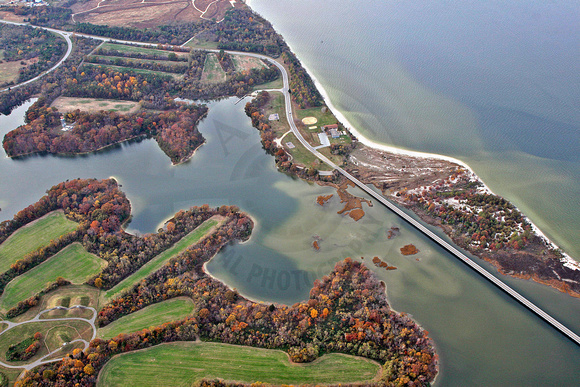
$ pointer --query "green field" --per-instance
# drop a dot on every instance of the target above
(73, 263)
(55, 332)
(139, 60)
(33, 236)
(212, 70)
(153, 315)
(156, 263)
(326, 118)
(181, 364)
(138, 49)
(124, 69)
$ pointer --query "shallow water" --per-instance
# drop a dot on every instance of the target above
(482, 336)
(494, 83)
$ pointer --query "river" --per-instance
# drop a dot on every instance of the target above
(482, 335)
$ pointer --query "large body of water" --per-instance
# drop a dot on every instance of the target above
(494, 83)
(483, 337)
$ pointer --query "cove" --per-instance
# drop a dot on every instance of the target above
(482, 336)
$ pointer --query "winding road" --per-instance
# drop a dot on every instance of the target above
(29, 366)
(64, 34)
(380, 198)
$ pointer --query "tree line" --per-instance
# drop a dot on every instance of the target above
(19, 43)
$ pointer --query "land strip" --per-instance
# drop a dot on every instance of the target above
(172, 364)
(156, 263)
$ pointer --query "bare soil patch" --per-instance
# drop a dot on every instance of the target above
(309, 120)
(393, 172)
(244, 63)
(66, 104)
(141, 15)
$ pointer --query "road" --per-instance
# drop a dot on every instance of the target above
(380, 198)
(418, 225)
(36, 363)
(64, 34)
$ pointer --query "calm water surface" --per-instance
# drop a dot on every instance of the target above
(494, 83)
(483, 337)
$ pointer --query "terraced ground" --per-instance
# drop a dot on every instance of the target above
(181, 364)
(33, 236)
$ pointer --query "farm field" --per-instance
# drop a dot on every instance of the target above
(158, 261)
(153, 315)
(33, 236)
(73, 263)
(163, 54)
(126, 69)
(93, 105)
(212, 70)
(181, 364)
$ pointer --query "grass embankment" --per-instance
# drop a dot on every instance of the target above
(73, 263)
(153, 315)
(212, 70)
(33, 236)
(54, 333)
(181, 364)
(202, 44)
(156, 263)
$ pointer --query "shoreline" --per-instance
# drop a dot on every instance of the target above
(567, 260)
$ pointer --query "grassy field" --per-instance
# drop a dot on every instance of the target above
(244, 62)
(73, 263)
(9, 72)
(32, 236)
(138, 49)
(65, 295)
(153, 315)
(156, 263)
(66, 104)
(212, 70)
(11, 374)
(202, 44)
(54, 332)
(131, 69)
(181, 364)
(326, 118)
(139, 60)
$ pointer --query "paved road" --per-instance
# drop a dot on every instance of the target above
(380, 198)
(29, 366)
(418, 225)
(64, 34)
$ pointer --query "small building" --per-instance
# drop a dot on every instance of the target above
(334, 133)
(328, 127)
(274, 117)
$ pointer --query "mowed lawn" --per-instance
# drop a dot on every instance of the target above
(32, 236)
(73, 263)
(156, 263)
(153, 315)
(181, 364)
